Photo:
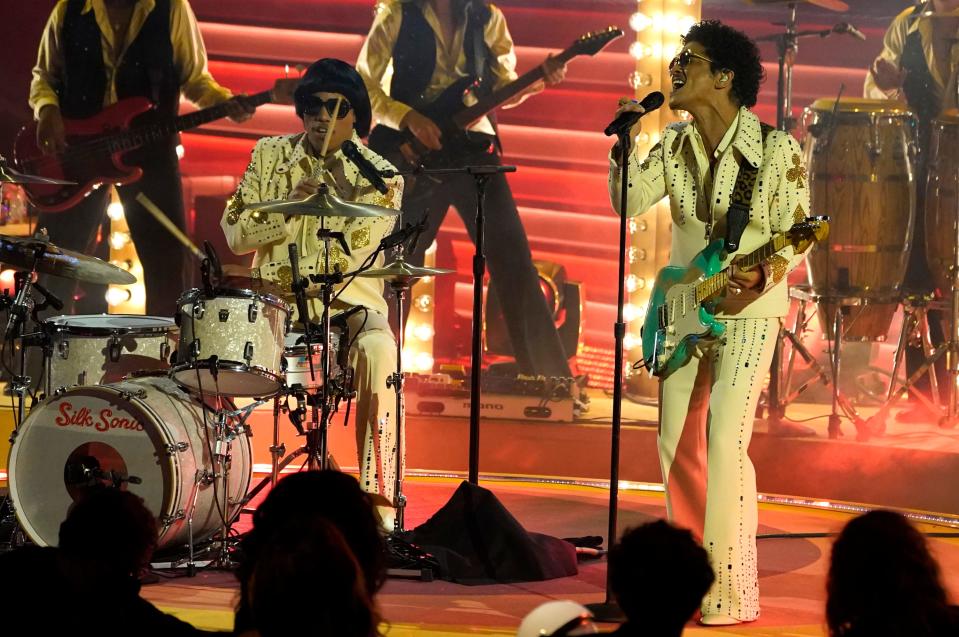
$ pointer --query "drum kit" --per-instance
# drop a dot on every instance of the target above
(147, 403)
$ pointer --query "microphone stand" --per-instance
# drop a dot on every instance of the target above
(609, 610)
(482, 175)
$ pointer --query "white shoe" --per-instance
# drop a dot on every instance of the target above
(714, 619)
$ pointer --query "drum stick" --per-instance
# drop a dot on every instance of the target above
(169, 225)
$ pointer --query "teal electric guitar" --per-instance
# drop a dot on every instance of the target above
(682, 305)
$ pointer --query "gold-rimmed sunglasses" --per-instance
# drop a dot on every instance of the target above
(684, 58)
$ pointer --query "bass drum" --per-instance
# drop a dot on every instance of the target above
(147, 429)
(861, 175)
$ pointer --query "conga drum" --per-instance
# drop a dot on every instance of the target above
(942, 203)
(859, 154)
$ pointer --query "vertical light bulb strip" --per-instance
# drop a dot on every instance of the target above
(659, 26)
(123, 299)
(420, 330)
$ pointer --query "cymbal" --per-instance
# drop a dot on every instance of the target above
(323, 204)
(10, 176)
(400, 270)
(20, 252)
(832, 5)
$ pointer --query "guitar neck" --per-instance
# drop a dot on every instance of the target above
(717, 282)
(500, 96)
(159, 130)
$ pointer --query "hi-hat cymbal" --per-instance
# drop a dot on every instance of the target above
(20, 252)
(832, 5)
(10, 176)
(400, 270)
(323, 204)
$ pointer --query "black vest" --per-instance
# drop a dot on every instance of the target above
(414, 53)
(922, 92)
(147, 69)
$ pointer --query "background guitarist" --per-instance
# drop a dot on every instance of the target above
(92, 54)
(708, 404)
(431, 44)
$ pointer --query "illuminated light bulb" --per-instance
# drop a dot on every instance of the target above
(638, 79)
(642, 138)
(640, 283)
(180, 152)
(8, 280)
(116, 296)
(631, 341)
(115, 210)
(423, 362)
(423, 303)
(639, 21)
(631, 253)
(631, 226)
(630, 312)
(641, 254)
(643, 225)
(123, 264)
(119, 239)
(640, 50)
(631, 285)
(423, 332)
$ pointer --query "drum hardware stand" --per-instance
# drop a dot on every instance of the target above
(915, 326)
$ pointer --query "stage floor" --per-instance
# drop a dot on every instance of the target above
(792, 570)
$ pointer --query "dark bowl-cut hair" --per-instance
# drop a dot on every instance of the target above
(731, 50)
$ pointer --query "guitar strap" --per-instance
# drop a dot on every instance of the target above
(477, 54)
(737, 216)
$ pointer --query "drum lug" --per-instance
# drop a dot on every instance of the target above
(179, 447)
(252, 312)
(224, 316)
(199, 309)
(168, 520)
(63, 349)
(165, 352)
(114, 349)
(248, 352)
(194, 349)
(127, 395)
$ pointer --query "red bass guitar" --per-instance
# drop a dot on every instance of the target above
(96, 146)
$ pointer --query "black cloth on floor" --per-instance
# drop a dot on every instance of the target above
(477, 540)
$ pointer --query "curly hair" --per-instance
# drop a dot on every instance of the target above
(883, 580)
(731, 50)
(658, 572)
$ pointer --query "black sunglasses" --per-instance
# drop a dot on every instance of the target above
(313, 108)
(684, 58)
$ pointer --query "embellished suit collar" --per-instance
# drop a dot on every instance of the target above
(748, 139)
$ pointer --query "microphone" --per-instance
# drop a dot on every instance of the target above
(403, 235)
(626, 120)
(845, 27)
(364, 165)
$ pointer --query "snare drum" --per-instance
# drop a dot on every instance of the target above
(861, 174)
(146, 428)
(297, 364)
(231, 344)
(95, 349)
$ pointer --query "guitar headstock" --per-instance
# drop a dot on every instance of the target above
(803, 234)
(592, 43)
(282, 91)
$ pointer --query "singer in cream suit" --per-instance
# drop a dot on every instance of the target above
(707, 406)
(332, 102)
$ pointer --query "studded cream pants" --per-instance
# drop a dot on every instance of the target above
(706, 421)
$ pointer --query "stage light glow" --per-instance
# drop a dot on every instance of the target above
(423, 332)
(423, 362)
(630, 312)
(639, 80)
(8, 280)
(115, 210)
(115, 296)
(180, 152)
(642, 138)
(640, 51)
(423, 302)
(631, 283)
(631, 341)
(118, 240)
(639, 21)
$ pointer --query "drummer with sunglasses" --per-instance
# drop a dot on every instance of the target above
(333, 105)
(708, 404)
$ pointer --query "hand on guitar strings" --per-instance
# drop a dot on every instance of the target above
(554, 71)
(239, 109)
(424, 129)
(51, 136)
(740, 279)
